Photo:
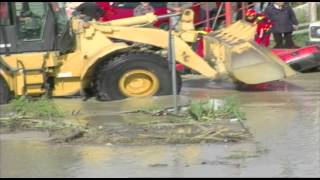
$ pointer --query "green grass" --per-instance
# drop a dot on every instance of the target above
(37, 113)
(203, 111)
(36, 108)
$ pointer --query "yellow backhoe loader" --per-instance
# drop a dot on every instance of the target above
(44, 52)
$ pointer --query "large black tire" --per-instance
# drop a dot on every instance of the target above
(4, 92)
(109, 75)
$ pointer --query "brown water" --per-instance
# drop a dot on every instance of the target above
(284, 120)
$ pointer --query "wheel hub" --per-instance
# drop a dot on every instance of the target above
(138, 83)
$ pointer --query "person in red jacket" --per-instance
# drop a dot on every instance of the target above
(263, 32)
(251, 15)
(264, 26)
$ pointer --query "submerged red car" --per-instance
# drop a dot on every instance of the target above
(302, 59)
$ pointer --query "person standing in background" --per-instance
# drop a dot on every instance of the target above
(90, 11)
(70, 7)
(142, 9)
(177, 7)
(284, 22)
(261, 6)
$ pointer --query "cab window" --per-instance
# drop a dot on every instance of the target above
(31, 17)
(60, 15)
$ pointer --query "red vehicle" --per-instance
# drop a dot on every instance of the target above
(125, 9)
(302, 59)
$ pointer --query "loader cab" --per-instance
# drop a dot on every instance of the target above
(34, 27)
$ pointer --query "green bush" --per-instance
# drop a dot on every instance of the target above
(301, 39)
(302, 17)
(204, 111)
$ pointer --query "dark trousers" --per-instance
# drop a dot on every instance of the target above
(283, 40)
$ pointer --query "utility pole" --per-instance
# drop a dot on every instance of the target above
(313, 11)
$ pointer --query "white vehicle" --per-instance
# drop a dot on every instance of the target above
(314, 33)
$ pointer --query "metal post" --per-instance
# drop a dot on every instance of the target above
(243, 10)
(172, 61)
(217, 16)
(228, 13)
(207, 14)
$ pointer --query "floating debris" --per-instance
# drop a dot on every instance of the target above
(214, 120)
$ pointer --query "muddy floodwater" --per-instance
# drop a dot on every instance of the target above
(284, 119)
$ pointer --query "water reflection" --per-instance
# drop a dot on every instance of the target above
(285, 124)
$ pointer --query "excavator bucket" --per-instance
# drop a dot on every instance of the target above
(233, 51)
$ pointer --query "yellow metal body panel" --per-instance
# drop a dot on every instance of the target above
(71, 75)
(134, 21)
(33, 60)
(184, 54)
(67, 86)
(186, 21)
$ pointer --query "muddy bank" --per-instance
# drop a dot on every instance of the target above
(135, 127)
(169, 130)
(95, 122)
(145, 135)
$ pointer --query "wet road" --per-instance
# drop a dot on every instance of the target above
(284, 120)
